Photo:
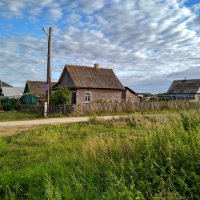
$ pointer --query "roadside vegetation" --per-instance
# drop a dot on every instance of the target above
(147, 156)
(9, 111)
(17, 115)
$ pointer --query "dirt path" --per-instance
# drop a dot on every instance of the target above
(13, 127)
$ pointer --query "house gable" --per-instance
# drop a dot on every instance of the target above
(34, 92)
(66, 80)
(26, 90)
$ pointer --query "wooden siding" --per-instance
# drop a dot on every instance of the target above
(28, 99)
(99, 95)
(67, 81)
(131, 97)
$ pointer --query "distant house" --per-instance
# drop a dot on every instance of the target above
(8, 92)
(34, 92)
(184, 89)
(3, 84)
(11, 92)
(146, 96)
(91, 84)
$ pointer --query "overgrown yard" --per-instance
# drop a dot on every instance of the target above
(16, 115)
(143, 157)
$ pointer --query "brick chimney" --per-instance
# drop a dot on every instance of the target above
(96, 66)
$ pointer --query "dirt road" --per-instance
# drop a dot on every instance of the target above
(13, 127)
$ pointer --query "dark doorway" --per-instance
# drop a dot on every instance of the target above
(74, 97)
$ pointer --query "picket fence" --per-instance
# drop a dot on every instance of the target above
(98, 108)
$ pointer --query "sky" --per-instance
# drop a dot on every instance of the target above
(148, 43)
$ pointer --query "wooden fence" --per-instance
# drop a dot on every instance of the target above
(122, 107)
(31, 108)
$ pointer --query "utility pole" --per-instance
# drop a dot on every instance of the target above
(48, 82)
(48, 92)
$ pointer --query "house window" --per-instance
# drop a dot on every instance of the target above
(124, 94)
(87, 97)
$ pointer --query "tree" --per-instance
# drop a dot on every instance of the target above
(61, 96)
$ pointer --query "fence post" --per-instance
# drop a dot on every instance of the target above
(45, 110)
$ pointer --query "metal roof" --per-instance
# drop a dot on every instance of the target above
(184, 87)
(91, 77)
(12, 92)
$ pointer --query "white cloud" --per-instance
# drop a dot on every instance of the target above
(54, 13)
(20, 59)
(145, 42)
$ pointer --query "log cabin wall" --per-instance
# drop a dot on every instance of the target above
(98, 95)
(131, 97)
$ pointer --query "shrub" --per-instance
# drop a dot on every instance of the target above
(1, 107)
(7, 107)
(10, 104)
(62, 96)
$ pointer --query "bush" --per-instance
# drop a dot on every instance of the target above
(7, 107)
(62, 96)
(10, 104)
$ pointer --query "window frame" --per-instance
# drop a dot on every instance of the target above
(88, 97)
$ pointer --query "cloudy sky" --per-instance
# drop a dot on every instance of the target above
(148, 43)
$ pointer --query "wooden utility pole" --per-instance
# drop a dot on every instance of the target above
(48, 92)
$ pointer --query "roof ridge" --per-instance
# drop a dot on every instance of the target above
(83, 66)
(188, 80)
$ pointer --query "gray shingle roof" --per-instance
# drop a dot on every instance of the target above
(184, 87)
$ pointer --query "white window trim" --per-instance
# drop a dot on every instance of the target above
(88, 92)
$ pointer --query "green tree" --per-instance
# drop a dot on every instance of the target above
(61, 96)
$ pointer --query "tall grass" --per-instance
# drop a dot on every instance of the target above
(143, 157)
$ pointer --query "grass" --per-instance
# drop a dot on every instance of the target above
(143, 157)
(16, 115)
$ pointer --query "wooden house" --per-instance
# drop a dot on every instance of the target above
(129, 95)
(184, 89)
(9, 92)
(91, 84)
(34, 92)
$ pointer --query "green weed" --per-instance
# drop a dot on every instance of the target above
(147, 156)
